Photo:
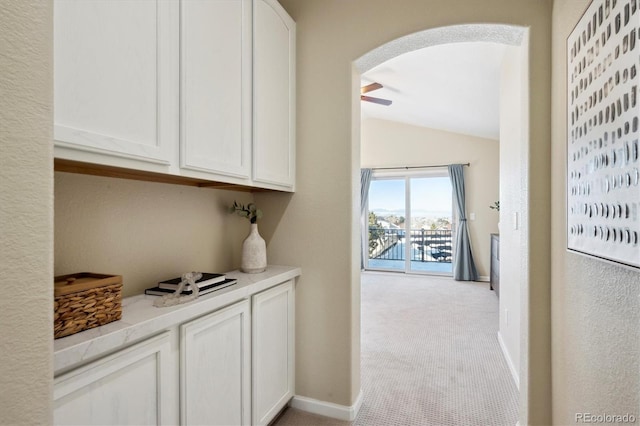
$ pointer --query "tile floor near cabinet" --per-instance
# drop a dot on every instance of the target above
(430, 356)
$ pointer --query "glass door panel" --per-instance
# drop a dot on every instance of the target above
(430, 219)
(387, 214)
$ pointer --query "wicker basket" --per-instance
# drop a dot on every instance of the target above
(85, 300)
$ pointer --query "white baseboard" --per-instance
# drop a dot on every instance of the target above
(484, 279)
(507, 357)
(328, 409)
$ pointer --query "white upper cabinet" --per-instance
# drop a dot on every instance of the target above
(116, 82)
(274, 39)
(215, 68)
(198, 88)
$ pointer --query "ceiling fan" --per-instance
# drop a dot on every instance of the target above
(369, 88)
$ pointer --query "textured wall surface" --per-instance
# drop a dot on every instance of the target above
(596, 305)
(144, 231)
(513, 200)
(316, 226)
(313, 228)
(386, 143)
(26, 212)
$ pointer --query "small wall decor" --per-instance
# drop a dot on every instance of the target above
(603, 165)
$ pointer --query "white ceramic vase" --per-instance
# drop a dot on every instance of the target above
(254, 252)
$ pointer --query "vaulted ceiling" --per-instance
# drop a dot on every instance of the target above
(453, 87)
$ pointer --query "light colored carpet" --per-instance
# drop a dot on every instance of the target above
(430, 356)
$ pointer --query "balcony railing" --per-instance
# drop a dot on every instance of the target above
(426, 245)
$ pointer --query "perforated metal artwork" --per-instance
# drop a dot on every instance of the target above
(603, 165)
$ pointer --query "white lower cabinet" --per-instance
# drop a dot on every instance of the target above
(273, 351)
(135, 386)
(215, 368)
(232, 366)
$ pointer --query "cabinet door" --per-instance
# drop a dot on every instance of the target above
(274, 96)
(273, 351)
(216, 86)
(216, 368)
(116, 82)
(133, 386)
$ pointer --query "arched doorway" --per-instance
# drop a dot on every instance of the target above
(514, 314)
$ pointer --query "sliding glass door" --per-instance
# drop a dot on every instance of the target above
(431, 219)
(410, 222)
(387, 224)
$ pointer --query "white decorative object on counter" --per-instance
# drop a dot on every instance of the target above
(254, 249)
(254, 252)
(175, 298)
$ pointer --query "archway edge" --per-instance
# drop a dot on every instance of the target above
(530, 394)
(492, 33)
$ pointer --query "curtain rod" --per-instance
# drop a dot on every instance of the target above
(413, 167)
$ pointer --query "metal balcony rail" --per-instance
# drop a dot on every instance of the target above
(426, 245)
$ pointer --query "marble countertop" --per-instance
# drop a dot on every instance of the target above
(140, 319)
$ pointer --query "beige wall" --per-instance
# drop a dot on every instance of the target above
(144, 231)
(316, 227)
(26, 212)
(596, 306)
(356, 241)
(513, 201)
(389, 144)
(312, 229)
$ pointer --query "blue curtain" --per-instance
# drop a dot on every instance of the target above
(365, 180)
(464, 268)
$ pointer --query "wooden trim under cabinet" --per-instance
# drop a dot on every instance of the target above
(69, 166)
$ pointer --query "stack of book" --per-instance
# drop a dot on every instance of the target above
(208, 283)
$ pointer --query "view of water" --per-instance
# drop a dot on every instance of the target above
(390, 265)
(421, 260)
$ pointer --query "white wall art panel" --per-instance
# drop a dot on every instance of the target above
(603, 165)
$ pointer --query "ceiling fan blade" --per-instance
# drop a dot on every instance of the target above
(370, 87)
(376, 100)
